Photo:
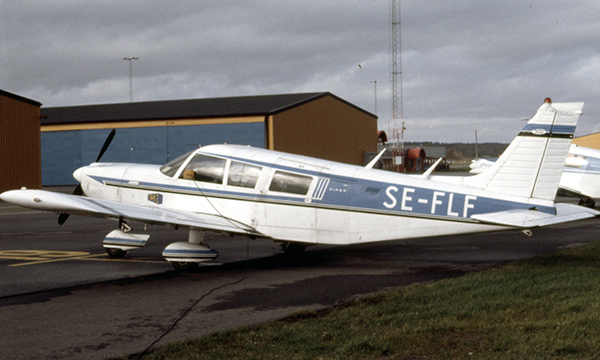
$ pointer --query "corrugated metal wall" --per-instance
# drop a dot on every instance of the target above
(65, 151)
(20, 151)
(326, 128)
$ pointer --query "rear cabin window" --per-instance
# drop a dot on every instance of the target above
(243, 175)
(290, 183)
(205, 168)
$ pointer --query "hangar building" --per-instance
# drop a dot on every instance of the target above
(314, 124)
(591, 141)
(20, 157)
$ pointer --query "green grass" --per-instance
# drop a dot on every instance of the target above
(546, 307)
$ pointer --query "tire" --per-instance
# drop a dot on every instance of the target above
(184, 265)
(115, 253)
(587, 202)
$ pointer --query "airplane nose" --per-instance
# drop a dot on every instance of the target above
(77, 174)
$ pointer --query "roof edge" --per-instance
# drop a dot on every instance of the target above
(20, 98)
(322, 95)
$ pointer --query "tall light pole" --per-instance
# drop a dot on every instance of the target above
(130, 59)
(375, 92)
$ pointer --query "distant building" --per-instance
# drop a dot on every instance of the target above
(20, 155)
(590, 141)
(314, 124)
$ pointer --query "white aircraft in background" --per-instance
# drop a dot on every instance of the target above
(580, 177)
(301, 201)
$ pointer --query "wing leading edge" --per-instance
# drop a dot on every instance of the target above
(80, 205)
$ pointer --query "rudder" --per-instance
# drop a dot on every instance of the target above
(532, 164)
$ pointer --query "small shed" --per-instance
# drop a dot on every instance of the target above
(20, 154)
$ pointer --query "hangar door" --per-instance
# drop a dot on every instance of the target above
(65, 151)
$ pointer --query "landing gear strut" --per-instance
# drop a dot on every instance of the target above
(292, 248)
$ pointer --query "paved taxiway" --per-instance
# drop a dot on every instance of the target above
(62, 297)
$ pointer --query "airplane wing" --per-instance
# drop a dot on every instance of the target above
(524, 218)
(81, 205)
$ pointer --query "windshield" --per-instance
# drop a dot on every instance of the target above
(172, 166)
(204, 168)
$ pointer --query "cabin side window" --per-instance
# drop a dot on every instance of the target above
(243, 175)
(290, 183)
(204, 168)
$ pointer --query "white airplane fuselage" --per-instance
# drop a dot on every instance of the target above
(337, 203)
(297, 199)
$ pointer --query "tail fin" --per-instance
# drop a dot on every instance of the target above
(532, 164)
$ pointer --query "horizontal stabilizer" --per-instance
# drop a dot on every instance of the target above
(523, 218)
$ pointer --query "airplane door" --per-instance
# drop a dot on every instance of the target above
(287, 212)
(332, 216)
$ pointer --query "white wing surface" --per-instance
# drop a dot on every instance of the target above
(523, 218)
(81, 205)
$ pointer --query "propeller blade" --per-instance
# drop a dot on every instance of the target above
(106, 144)
(78, 190)
(62, 217)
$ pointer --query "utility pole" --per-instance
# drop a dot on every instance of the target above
(130, 59)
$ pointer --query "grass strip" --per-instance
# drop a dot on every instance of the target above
(546, 307)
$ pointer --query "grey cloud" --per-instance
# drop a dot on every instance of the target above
(465, 63)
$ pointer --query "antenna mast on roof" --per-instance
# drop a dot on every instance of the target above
(396, 72)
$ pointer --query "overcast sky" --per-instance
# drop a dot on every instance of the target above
(466, 64)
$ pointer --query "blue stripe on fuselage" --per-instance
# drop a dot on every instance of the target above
(359, 195)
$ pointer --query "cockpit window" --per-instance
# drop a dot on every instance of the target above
(204, 168)
(290, 183)
(244, 175)
(172, 166)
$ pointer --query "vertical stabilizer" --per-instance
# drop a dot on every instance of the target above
(532, 164)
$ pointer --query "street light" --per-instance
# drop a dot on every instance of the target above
(375, 101)
(130, 59)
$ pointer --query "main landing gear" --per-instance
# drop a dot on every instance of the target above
(587, 202)
(184, 256)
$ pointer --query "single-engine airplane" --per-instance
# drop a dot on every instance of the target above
(301, 201)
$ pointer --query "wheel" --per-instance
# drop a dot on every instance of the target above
(292, 248)
(184, 265)
(115, 253)
(587, 202)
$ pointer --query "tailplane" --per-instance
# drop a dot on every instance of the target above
(532, 164)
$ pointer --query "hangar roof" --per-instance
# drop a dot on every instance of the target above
(20, 98)
(180, 109)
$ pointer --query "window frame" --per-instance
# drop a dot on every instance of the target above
(309, 186)
(231, 163)
(182, 173)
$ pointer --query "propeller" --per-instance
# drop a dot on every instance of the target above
(62, 217)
